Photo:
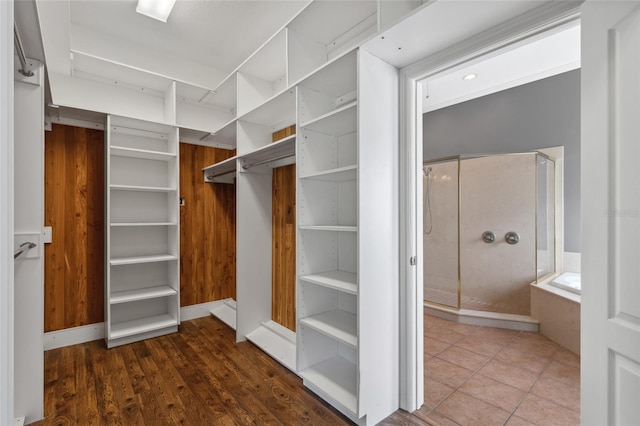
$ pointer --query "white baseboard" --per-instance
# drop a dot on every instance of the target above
(88, 333)
(198, 311)
(73, 336)
(19, 421)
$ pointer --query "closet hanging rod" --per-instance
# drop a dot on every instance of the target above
(20, 52)
(270, 160)
(220, 174)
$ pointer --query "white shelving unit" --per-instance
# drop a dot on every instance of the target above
(347, 263)
(142, 233)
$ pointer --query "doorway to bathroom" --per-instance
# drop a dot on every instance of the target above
(500, 215)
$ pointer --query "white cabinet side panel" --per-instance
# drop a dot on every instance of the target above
(378, 304)
(253, 263)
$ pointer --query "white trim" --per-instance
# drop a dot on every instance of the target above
(73, 336)
(544, 18)
(198, 311)
(6, 213)
(91, 332)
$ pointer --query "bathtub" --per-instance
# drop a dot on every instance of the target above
(569, 281)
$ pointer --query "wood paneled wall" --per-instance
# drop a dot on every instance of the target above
(207, 229)
(74, 208)
(283, 280)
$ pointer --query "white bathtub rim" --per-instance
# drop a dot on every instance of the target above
(545, 285)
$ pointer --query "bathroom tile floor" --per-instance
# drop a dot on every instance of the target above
(491, 376)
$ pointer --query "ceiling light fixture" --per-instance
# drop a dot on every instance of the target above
(469, 77)
(156, 9)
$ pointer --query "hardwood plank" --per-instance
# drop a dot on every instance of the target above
(283, 271)
(197, 376)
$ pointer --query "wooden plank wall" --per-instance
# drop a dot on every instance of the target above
(283, 268)
(207, 229)
(74, 208)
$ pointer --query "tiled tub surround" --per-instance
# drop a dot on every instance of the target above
(558, 312)
(488, 376)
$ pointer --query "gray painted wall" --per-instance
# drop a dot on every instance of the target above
(541, 114)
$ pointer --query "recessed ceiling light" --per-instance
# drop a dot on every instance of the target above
(469, 77)
(156, 9)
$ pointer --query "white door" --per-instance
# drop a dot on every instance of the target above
(610, 182)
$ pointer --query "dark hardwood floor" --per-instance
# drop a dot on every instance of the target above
(198, 376)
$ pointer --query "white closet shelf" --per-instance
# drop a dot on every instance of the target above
(335, 377)
(276, 150)
(338, 228)
(337, 324)
(143, 325)
(276, 340)
(338, 280)
(130, 260)
(140, 188)
(142, 294)
(123, 151)
(225, 169)
(338, 122)
(340, 174)
(125, 224)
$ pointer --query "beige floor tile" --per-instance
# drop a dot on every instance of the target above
(543, 412)
(534, 343)
(563, 373)
(443, 334)
(518, 421)
(434, 346)
(558, 392)
(439, 419)
(446, 372)
(479, 345)
(435, 392)
(509, 375)
(463, 357)
(565, 356)
(465, 329)
(499, 336)
(526, 361)
(467, 410)
(493, 392)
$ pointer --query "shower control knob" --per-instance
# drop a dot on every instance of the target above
(488, 237)
(512, 237)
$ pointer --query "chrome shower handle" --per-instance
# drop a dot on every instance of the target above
(512, 237)
(488, 237)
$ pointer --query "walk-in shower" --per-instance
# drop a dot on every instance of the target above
(489, 227)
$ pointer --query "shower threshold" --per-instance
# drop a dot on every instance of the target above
(484, 318)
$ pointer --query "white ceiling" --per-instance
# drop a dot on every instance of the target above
(557, 52)
(217, 33)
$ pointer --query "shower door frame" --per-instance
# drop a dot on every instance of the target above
(519, 30)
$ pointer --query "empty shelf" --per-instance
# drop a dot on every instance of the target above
(226, 312)
(335, 378)
(143, 325)
(277, 341)
(142, 294)
(339, 228)
(341, 174)
(118, 224)
(338, 122)
(121, 151)
(339, 280)
(140, 188)
(337, 324)
(142, 259)
(222, 167)
(283, 148)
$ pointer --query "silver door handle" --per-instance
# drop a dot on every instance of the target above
(488, 237)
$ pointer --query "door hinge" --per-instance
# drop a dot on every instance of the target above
(413, 260)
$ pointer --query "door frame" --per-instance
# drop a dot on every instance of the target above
(6, 213)
(550, 16)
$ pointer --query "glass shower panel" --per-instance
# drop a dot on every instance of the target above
(440, 232)
(545, 216)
